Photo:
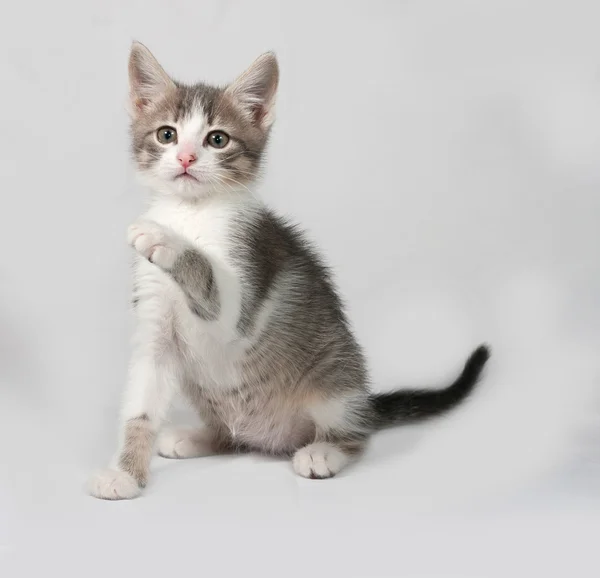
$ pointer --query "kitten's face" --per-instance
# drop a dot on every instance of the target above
(196, 141)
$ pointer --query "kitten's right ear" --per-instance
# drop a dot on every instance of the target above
(147, 79)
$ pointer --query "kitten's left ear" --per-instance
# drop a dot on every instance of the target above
(255, 90)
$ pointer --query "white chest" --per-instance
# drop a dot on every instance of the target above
(211, 349)
(207, 226)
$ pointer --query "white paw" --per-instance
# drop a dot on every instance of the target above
(113, 485)
(319, 460)
(153, 242)
(183, 443)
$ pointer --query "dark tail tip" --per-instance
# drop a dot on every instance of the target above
(468, 379)
(403, 406)
(477, 359)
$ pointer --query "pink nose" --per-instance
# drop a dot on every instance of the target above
(186, 159)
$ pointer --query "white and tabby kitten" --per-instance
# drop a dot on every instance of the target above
(234, 309)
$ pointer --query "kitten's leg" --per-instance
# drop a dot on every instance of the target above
(192, 270)
(147, 398)
(341, 436)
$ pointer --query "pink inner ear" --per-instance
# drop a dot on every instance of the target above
(141, 103)
(259, 113)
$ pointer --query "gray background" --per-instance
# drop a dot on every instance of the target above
(446, 158)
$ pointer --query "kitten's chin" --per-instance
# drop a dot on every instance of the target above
(184, 187)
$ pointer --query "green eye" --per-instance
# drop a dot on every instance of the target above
(217, 139)
(166, 135)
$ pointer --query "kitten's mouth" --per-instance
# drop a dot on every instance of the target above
(187, 177)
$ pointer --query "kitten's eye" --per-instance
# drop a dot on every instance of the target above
(217, 139)
(166, 135)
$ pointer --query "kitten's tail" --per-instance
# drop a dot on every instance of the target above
(404, 406)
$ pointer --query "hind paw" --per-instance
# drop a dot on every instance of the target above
(319, 461)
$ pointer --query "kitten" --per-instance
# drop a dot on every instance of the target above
(234, 308)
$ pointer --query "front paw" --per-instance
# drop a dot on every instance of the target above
(113, 485)
(153, 242)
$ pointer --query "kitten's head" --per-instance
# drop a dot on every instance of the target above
(194, 141)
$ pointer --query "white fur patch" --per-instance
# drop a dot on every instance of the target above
(150, 387)
(337, 413)
(113, 485)
(213, 347)
(329, 414)
(319, 460)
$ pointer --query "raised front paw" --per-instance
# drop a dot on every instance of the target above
(153, 242)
